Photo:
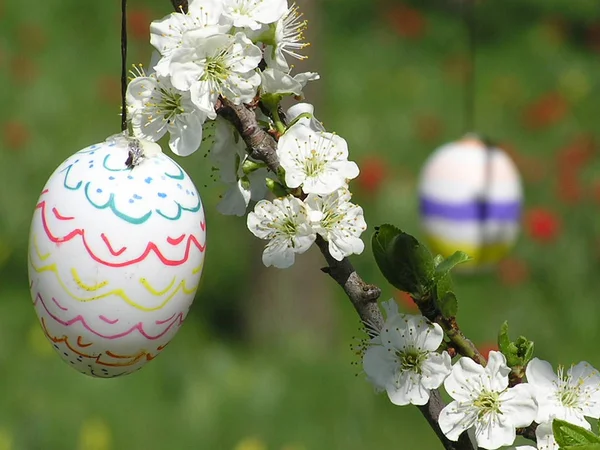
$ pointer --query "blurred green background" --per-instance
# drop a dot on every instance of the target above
(264, 360)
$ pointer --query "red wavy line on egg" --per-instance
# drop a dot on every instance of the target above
(64, 339)
(110, 249)
(59, 216)
(58, 304)
(139, 326)
(107, 320)
(151, 247)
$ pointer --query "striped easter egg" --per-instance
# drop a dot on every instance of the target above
(470, 200)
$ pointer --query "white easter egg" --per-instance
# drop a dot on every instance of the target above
(470, 200)
(115, 257)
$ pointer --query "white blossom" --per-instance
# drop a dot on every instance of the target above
(216, 65)
(253, 13)
(570, 397)
(230, 157)
(288, 39)
(544, 437)
(166, 35)
(403, 360)
(315, 160)
(284, 222)
(338, 221)
(277, 82)
(482, 399)
(156, 107)
(308, 119)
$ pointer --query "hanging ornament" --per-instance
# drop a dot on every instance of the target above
(116, 251)
(470, 200)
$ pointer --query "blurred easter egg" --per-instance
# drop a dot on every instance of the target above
(115, 256)
(470, 200)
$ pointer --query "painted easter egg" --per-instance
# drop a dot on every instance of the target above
(470, 200)
(115, 256)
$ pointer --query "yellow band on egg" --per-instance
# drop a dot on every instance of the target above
(118, 292)
(490, 253)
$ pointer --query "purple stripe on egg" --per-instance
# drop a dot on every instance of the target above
(473, 210)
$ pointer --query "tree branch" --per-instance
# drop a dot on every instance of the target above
(263, 147)
(431, 411)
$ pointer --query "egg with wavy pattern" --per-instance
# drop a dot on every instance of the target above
(115, 257)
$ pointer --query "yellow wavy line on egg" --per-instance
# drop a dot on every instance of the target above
(154, 291)
(198, 269)
(37, 249)
(84, 286)
(118, 292)
(489, 253)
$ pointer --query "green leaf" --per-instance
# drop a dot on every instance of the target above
(581, 447)
(276, 188)
(568, 434)
(449, 263)
(443, 286)
(437, 260)
(517, 353)
(403, 260)
(503, 339)
(448, 305)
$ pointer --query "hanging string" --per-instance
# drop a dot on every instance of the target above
(468, 13)
(123, 64)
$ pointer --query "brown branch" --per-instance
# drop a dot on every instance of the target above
(431, 412)
(263, 147)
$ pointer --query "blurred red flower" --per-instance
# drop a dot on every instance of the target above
(138, 21)
(513, 271)
(23, 70)
(406, 301)
(406, 21)
(372, 173)
(570, 160)
(545, 111)
(15, 135)
(109, 89)
(593, 36)
(542, 225)
(532, 168)
(486, 348)
(456, 68)
(428, 128)
(31, 37)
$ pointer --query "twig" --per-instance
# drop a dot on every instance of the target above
(263, 147)
(431, 412)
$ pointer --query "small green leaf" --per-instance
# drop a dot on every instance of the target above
(403, 260)
(448, 305)
(503, 339)
(568, 434)
(276, 188)
(437, 260)
(449, 263)
(517, 353)
(524, 349)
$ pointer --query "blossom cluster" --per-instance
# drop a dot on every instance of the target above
(237, 51)
(404, 360)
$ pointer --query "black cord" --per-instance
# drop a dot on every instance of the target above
(469, 106)
(123, 64)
